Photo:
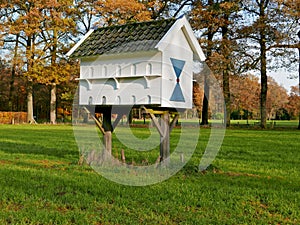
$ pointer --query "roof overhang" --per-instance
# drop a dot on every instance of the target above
(79, 43)
(184, 25)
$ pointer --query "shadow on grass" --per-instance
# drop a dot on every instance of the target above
(56, 141)
(35, 149)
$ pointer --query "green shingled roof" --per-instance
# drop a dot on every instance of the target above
(131, 37)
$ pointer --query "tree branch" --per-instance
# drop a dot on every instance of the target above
(185, 3)
(251, 10)
(289, 46)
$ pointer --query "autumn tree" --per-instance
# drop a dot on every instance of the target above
(120, 12)
(86, 15)
(197, 97)
(7, 102)
(91, 13)
(293, 105)
(216, 20)
(21, 20)
(57, 26)
(15, 71)
(245, 95)
(202, 16)
(229, 11)
(168, 8)
(4, 84)
(291, 9)
(265, 32)
(277, 98)
(39, 31)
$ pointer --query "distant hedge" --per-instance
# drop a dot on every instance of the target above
(13, 117)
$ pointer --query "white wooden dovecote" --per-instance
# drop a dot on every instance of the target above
(148, 63)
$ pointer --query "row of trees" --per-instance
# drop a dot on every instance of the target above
(13, 97)
(244, 94)
(247, 35)
(244, 98)
(245, 104)
(237, 36)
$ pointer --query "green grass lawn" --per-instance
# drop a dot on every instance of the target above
(255, 179)
(271, 124)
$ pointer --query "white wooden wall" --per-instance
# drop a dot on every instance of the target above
(177, 49)
(125, 79)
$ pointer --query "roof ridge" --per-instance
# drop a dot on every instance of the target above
(135, 23)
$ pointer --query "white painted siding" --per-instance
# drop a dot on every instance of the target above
(129, 87)
(178, 49)
(122, 80)
(121, 65)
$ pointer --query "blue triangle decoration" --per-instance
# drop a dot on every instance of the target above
(178, 66)
(177, 93)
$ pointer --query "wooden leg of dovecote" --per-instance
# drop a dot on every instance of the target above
(107, 138)
(165, 138)
(108, 128)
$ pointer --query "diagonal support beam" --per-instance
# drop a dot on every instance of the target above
(157, 125)
(174, 121)
(117, 120)
(98, 123)
(155, 121)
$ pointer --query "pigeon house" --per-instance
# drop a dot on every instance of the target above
(147, 63)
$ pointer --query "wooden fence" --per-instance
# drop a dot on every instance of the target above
(13, 117)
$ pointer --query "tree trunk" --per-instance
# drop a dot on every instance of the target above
(53, 104)
(30, 52)
(299, 80)
(13, 74)
(263, 69)
(263, 94)
(205, 102)
(205, 105)
(226, 73)
(53, 85)
(30, 118)
(226, 93)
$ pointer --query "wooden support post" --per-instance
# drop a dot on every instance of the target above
(165, 138)
(107, 143)
(123, 156)
(108, 128)
(163, 127)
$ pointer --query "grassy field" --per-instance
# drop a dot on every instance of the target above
(271, 124)
(255, 179)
